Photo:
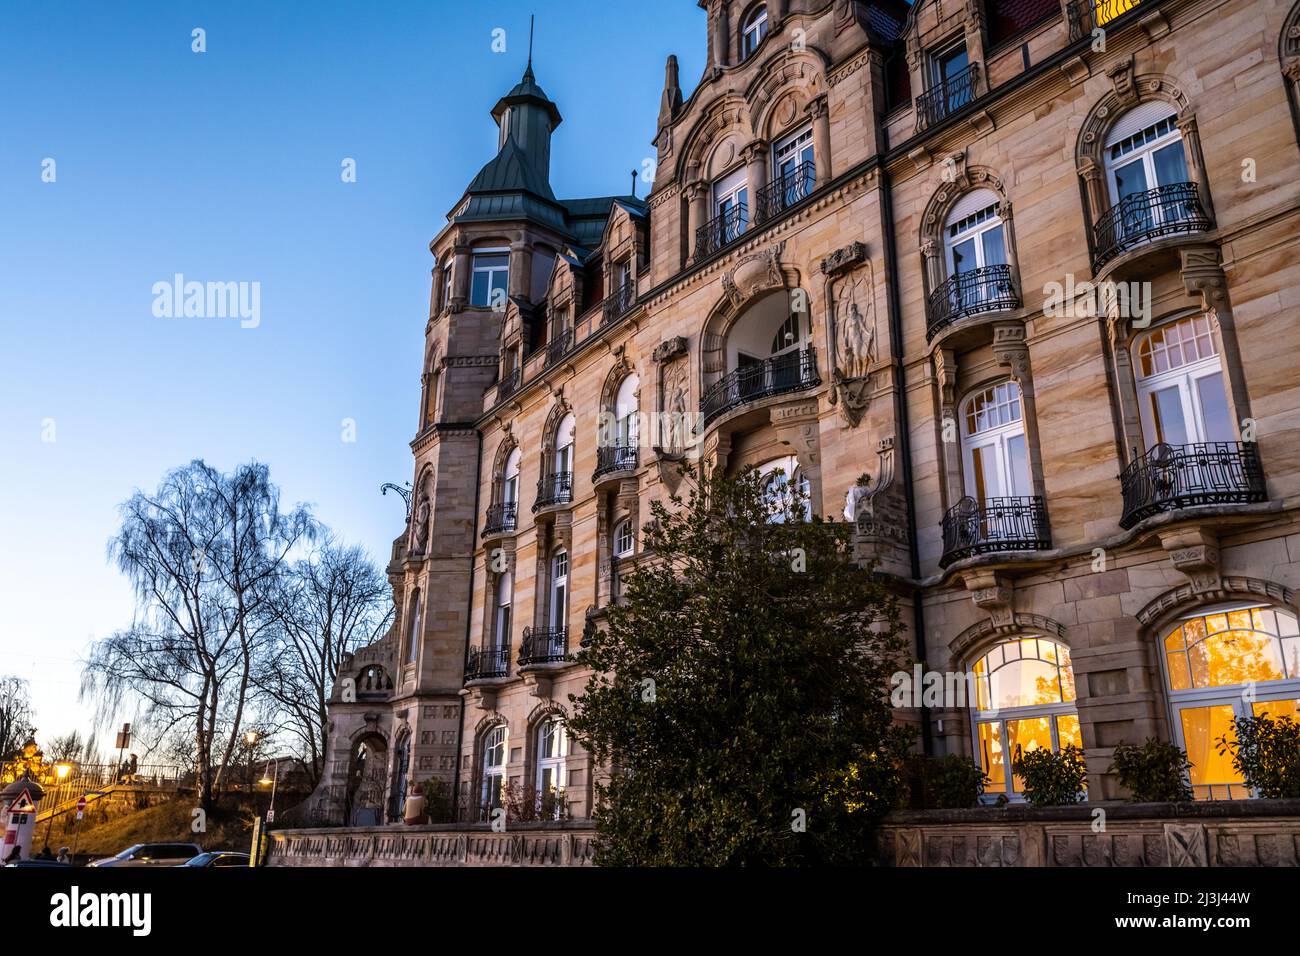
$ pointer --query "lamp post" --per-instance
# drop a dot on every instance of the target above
(271, 781)
(250, 739)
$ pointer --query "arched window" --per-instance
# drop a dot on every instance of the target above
(1237, 660)
(564, 446)
(754, 30)
(1146, 174)
(624, 539)
(494, 769)
(552, 749)
(1024, 699)
(510, 479)
(788, 336)
(781, 479)
(560, 589)
(417, 619)
(1180, 385)
(505, 597)
(626, 412)
(993, 444)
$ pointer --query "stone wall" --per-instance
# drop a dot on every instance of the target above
(556, 844)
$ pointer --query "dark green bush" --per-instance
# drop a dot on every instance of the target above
(1155, 771)
(1052, 778)
(1267, 755)
(952, 782)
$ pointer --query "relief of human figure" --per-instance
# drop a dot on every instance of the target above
(855, 338)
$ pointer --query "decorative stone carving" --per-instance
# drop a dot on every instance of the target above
(422, 519)
(852, 322)
(991, 593)
(1122, 77)
(844, 258)
(1194, 552)
(753, 275)
(1186, 844)
(669, 349)
(880, 517)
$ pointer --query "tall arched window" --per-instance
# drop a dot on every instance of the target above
(510, 479)
(552, 749)
(1180, 385)
(559, 589)
(1146, 175)
(781, 478)
(625, 411)
(995, 457)
(505, 597)
(417, 620)
(494, 769)
(564, 437)
(754, 30)
(1235, 660)
(1024, 699)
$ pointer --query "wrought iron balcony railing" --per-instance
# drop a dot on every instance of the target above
(611, 458)
(947, 97)
(501, 518)
(988, 289)
(487, 662)
(790, 372)
(509, 384)
(554, 489)
(786, 190)
(1086, 15)
(997, 524)
(559, 346)
(1145, 216)
(1169, 477)
(721, 230)
(618, 303)
(544, 645)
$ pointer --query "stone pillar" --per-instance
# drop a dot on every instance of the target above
(1195, 159)
(460, 278)
(697, 214)
(820, 114)
(945, 372)
(1125, 381)
(1094, 188)
(931, 257)
(436, 305)
(1203, 275)
(521, 271)
(796, 425)
(1009, 237)
(1012, 351)
(756, 170)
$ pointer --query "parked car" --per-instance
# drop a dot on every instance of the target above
(218, 858)
(36, 862)
(152, 854)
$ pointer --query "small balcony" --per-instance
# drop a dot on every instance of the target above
(979, 291)
(1170, 477)
(544, 645)
(554, 489)
(786, 190)
(559, 347)
(721, 231)
(509, 384)
(502, 518)
(487, 663)
(617, 304)
(791, 372)
(941, 101)
(1143, 217)
(995, 525)
(612, 459)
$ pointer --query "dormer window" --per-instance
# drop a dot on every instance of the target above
(754, 31)
(491, 277)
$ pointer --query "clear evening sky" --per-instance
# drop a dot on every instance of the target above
(224, 166)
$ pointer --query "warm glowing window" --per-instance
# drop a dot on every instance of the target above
(1024, 699)
(1225, 663)
(1107, 10)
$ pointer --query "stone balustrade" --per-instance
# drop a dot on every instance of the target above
(524, 844)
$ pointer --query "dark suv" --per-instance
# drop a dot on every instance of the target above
(152, 854)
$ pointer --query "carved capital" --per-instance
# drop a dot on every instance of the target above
(844, 258)
(1194, 552)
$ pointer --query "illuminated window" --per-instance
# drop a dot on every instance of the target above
(1180, 385)
(1107, 10)
(1223, 663)
(1024, 699)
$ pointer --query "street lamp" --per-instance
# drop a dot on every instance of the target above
(61, 771)
(269, 781)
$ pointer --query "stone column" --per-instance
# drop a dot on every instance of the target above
(1009, 238)
(1094, 187)
(460, 278)
(1125, 381)
(1195, 159)
(697, 214)
(931, 257)
(1203, 275)
(436, 305)
(756, 171)
(820, 113)
(1012, 351)
(521, 271)
(945, 372)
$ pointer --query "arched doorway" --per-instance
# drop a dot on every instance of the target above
(366, 777)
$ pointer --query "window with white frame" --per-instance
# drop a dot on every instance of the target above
(754, 30)
(564, 438)
(560, 589)
(1221, 663)
(1144, 152)
(1024, 700)
(783, 481)
(731, 204)
(994, 453)
(626, 412)
(413, 638)
(552, 749)
(447, 283)
(494, 768)
(510, 480)
(795, 166)
(1180, 385)
(490, 280)
(505, 597)
(560, 323)
(624, 539)
(973, 236)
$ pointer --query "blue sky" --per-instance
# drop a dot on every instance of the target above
(225, 166)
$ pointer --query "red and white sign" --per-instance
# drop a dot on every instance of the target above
(81, 807)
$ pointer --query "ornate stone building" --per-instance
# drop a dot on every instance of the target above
(1030, 266)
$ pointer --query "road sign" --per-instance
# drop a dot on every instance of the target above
(270, 816)
(81, 807)
(24, 803)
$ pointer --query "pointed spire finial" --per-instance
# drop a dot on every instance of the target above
(634, 184)
(528, 70)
